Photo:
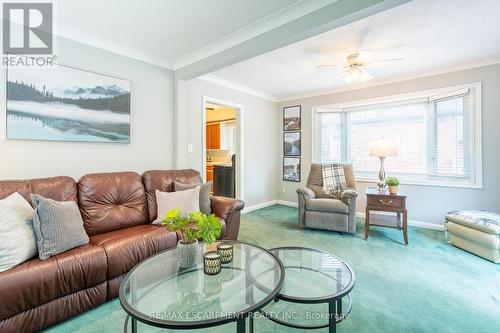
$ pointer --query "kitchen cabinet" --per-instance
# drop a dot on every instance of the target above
(221, 135)
(213, 136)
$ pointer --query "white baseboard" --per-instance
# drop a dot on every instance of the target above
(287, 203)
(259, 206)
(414, 223)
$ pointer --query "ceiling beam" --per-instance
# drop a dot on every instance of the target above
(325, 19)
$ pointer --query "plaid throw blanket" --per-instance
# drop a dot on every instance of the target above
(333, 178)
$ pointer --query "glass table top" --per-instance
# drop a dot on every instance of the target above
(313, 275)
(158, 291)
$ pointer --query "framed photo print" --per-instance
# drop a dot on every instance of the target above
(291, 169)
(291, 143)
(291, 118)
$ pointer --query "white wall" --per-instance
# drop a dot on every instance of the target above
(425, 203)
(152, 139)
(260, 136)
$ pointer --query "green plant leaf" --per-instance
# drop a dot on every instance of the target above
(197, 225)
(392, 181)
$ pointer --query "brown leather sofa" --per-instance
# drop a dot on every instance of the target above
(117, 210)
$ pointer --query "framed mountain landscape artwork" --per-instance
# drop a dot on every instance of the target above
(291, 118)
(67, 104)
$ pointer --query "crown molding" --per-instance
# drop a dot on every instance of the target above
(238, 87)
(112, 46)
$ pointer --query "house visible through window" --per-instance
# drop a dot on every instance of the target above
(437, 135)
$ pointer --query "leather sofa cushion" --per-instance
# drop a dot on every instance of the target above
(47, 314)
(37, 282)
(56, 188)
(163, 180)
(327, 205)
(111, 201)
(125, 248)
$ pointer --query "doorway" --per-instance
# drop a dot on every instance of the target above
(222, 146)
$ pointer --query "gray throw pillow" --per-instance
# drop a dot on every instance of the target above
(58, 226)
(204, 194)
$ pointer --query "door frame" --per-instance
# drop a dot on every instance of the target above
(240, 153)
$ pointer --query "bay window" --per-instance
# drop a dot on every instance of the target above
(438, 134)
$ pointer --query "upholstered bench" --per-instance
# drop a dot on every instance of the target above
(476, 231)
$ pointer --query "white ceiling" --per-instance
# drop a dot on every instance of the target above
(174, 33)
(433, 37)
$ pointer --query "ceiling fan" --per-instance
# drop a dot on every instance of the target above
(355, 67)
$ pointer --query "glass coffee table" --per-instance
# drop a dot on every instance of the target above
(316, 291)
(158, 293)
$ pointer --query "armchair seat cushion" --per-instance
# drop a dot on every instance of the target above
(327, 205)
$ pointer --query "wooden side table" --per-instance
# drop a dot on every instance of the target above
(385, 202)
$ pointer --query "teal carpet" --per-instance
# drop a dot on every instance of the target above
(429, 286)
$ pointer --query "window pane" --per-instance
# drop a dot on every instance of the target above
(329, 137)
(450, 152)
(405, 124)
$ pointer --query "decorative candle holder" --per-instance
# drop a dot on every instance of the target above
(226, 252)
(212, 263)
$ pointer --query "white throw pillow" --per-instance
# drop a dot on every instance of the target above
(188, 201)
(18, 242)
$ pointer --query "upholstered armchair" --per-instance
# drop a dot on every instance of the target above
(320, 210)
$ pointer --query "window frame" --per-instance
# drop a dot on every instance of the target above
(477, 153)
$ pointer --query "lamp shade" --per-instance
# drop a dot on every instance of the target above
(383, 147)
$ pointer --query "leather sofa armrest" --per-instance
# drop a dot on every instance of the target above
(306, 192)
(230, 210)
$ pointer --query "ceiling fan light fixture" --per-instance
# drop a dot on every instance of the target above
(355, 74)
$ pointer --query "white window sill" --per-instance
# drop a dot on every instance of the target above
(478, 186)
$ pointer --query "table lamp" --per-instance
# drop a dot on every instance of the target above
(382, 148)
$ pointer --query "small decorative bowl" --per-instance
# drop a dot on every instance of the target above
(226, 252)
(212, 263)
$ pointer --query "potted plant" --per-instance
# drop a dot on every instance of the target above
(189, 229)
(393, 183)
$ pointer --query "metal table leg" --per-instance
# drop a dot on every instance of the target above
(332, 322)
(134, 325)
(240, 325)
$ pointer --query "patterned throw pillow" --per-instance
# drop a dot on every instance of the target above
(58, 226)
(333, 178)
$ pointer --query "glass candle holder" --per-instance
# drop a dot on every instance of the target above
(226, 252)
(212, 263)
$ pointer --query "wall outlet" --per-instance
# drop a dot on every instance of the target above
(190, 147)
(283, 190)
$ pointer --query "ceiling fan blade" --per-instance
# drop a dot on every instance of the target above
(326, 66)
(383, 61)
(365, 76)
(364, 55)
(335, 76)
